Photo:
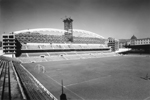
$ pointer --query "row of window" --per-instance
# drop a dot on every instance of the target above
(142, 42)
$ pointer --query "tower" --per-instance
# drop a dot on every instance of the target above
(68, 27)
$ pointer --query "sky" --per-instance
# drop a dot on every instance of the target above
(119, 19)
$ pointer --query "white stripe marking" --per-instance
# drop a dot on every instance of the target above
(65, 87)
(89, 80)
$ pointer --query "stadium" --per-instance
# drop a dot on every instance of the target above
(42, 58)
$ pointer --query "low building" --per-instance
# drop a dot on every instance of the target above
(123, 43)
(141, 45)
(113, 43)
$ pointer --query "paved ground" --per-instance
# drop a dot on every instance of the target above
(110, 78)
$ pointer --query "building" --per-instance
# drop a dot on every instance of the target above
(137, 45)
(113, 43)
(123, 43)
(68, 39)
(142, 41)
(132, 40)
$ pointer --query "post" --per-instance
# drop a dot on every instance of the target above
(63, 96)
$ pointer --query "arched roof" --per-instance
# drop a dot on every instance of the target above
(40, 29)
(84, 33)
(76, 32)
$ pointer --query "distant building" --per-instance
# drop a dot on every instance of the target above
(132, 40)
(142, 44)
(142, 41)
(123, 43)
(135, 44)
(113, 43)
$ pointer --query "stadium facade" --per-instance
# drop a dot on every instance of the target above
(50, 40)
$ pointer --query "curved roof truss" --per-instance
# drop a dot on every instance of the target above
(40, 29)
(76, 32)
(87, 33)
